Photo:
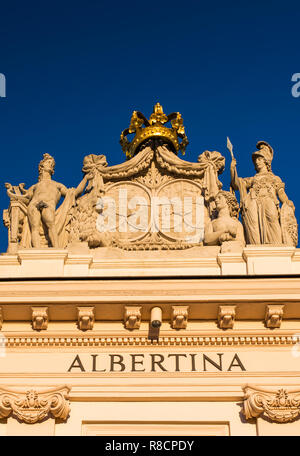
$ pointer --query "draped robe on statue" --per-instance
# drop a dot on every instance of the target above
(260, 208)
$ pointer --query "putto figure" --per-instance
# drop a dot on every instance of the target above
(41, 200)
(226, 226)
(260, 196)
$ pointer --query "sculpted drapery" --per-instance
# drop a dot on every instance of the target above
(260, 198)
(261, 208)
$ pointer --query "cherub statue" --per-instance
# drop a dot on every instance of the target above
(263, 219)
(41, 200)
(226, 226)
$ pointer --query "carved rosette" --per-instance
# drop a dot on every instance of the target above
(279, 406)
(33, 406)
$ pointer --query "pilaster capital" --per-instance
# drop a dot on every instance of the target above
(32, 406)
(279, 406)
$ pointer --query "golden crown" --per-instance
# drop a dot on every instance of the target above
(154, 127)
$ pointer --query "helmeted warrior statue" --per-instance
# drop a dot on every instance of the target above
(260, 196)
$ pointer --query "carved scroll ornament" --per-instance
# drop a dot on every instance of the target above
(33, 406)
(279, 406)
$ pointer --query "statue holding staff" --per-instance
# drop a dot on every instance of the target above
(265, 222)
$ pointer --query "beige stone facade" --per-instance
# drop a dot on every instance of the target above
(67, 340)
(123, 316)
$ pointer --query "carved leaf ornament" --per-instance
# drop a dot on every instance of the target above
(32, 406)
(280, 406)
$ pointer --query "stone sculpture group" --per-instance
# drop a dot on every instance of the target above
(153, 169)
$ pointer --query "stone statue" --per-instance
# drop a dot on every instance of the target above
(226, 227)
(154, 200)
(41, 200)
(263, 219)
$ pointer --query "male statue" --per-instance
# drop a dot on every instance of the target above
(42, 199)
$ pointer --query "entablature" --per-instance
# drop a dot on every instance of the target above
(261, 299)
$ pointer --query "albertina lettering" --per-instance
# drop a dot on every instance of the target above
(156, 362)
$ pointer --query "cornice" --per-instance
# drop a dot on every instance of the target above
(42, 254)
(230, 258)
(268, 251)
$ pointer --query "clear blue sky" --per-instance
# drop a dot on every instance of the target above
(75, 71)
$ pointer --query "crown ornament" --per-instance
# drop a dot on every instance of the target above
(154, 127)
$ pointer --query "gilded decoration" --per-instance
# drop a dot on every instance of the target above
(280, 406)
(154, 200)
(32, 406)
(154, 127)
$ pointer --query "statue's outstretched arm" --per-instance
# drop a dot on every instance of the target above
(215, 237)
(234, 176)
(81, 186)
(26, 195)
(63, 189)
